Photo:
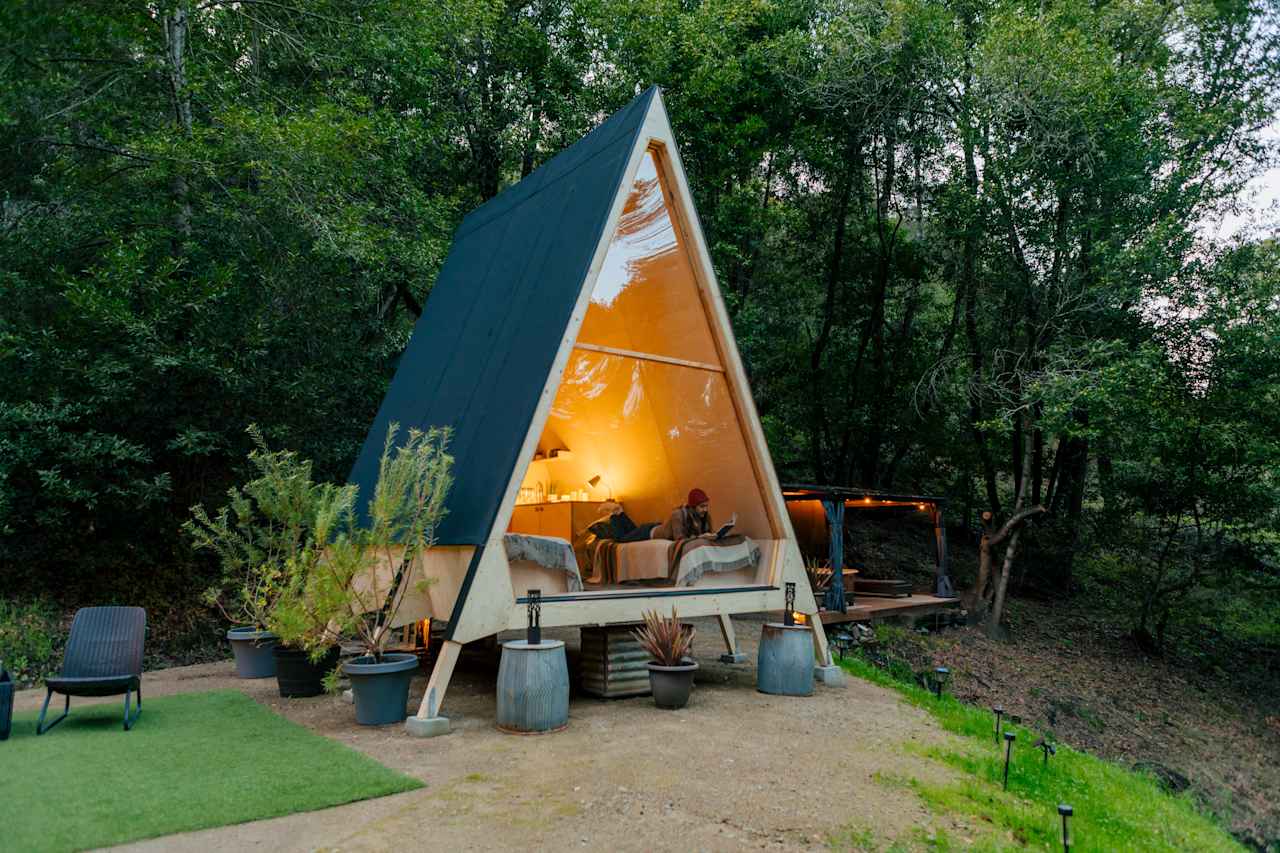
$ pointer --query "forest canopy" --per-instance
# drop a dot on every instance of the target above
(967, 247)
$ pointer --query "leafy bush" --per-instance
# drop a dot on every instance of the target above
(30, 637)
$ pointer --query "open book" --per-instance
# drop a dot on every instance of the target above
(726, 527)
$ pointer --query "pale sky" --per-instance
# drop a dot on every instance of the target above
(1262, 202)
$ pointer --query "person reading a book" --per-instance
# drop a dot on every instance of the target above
(692, 520)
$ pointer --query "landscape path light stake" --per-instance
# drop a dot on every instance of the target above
(1065, 811)
(534, 635)
(1009, 738)
(941, 674)
(1047, 748)
(999, 712)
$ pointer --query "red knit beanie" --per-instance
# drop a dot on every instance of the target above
(697, 496)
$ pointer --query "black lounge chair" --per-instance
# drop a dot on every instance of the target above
(104, 658)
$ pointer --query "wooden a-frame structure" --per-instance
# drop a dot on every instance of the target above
(510, 319)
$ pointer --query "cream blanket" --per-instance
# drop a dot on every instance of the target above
(550, 552)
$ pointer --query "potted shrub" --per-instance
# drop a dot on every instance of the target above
(264, 526)
(671, 670)
(354, 583)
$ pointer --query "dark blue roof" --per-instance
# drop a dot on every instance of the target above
(481, 352)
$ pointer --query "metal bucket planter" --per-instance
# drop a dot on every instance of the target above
(784, 665)
(252, 649)
(533, 687)
(671, 685)
(297, 676)
(381, 690)
(6, 704)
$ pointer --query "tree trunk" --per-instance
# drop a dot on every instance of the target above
(175, 52)
(1013, 529)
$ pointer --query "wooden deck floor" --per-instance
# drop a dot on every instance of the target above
(871, 609)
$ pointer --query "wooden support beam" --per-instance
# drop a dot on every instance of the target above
(726, 631)
(438, 684)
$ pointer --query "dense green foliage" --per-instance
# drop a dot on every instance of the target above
(967, 245)
(1114, 808)
(191, 762)
(30, 638)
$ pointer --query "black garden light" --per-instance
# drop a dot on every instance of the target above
(940, 677)
(999, 712)
(1065, 811)
(789, 607)
(1047, 748)
(1009, 738)
(534, 634)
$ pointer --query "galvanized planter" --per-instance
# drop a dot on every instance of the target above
(533, 687)
(784, 666)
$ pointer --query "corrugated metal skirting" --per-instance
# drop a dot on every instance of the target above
(613, 664)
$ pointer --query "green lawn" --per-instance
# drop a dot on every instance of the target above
(191, 762)
(1115, 808)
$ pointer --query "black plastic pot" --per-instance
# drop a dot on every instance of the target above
(6, 703)
(381, 690)
(297, 676)
(671, 685)
(252, 649)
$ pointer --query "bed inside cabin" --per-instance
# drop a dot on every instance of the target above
(643, 414)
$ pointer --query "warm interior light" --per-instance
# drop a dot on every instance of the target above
(799, 617)
(425, 627)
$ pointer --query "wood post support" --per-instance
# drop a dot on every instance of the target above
(438, 684)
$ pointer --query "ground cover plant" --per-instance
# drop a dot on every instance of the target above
(191, 762)
(1114, 808)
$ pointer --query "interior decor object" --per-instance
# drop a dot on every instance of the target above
(252, 648)
(789, 604)
(590, 274)
(669, 643)
(6, 702)
(533, 687)
(1009, 738)
(103, 658)
(1066, 812)
(596, 479)
(784, 663)
(612, 663)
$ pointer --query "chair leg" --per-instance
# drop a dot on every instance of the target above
(130, 720)
(41, 728)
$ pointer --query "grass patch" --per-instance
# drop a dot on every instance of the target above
(1115, 809)
(193, 761)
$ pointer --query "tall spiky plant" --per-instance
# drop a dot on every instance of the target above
(666, 640)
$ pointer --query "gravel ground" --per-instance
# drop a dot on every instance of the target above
(734, 769)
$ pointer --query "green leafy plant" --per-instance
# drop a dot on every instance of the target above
(29, 633)
(351, 578)
(666, 640)
(263, 536)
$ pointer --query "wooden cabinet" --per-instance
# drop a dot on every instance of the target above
(566, 519)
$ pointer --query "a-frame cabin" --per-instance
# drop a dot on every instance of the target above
(577, 344)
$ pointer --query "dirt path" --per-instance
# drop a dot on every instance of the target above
(735, 769)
